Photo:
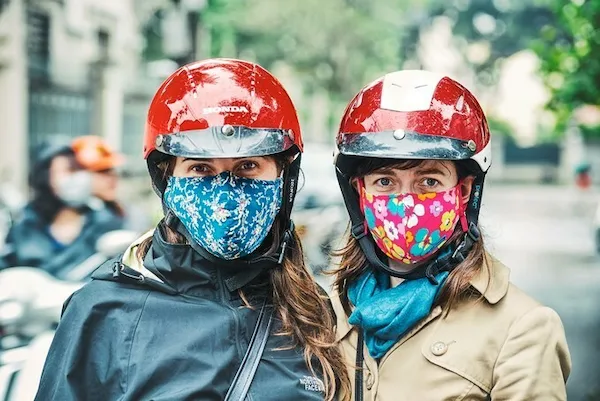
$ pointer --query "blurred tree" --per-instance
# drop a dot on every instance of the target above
(335, 45)
(570, 65)
(486, 32)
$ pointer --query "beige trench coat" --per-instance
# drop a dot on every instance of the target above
(504, 347)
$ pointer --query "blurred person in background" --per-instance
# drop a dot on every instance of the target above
(583, 179)
(424, 312)
(173, 319)
(57, 229)
(95, 155)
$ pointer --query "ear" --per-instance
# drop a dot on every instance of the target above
(466, 187)
(355, 183)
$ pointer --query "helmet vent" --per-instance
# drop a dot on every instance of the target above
(460, 103)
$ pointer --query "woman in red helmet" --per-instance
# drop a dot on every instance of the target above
(424, 312)
(216, 303)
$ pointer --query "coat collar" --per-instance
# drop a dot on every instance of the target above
(493, 280)
(492, 283)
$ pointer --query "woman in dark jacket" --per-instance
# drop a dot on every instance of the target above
(57, 229)
(173, 319)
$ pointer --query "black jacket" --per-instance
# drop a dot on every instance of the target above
(29, 242)
(174, 329)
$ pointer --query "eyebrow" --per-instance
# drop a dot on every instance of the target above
(384, 170)
(196, 160)
(432, 170)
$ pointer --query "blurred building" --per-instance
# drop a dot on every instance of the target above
(71, 67)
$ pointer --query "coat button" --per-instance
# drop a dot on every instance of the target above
(370, 381)
(438, 348)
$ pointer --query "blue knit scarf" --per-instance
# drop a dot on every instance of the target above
(385, 314)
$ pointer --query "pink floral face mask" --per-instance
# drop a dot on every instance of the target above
(411, 227)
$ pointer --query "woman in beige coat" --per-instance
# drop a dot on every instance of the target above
(424, 312)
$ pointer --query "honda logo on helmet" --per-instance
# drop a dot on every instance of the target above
(225, 109)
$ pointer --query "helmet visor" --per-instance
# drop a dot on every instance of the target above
(226, 141)
(401, 144)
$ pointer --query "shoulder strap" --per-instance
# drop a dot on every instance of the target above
(243, 378)
(358, 377)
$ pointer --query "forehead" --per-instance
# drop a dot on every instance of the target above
(416, 166)
(225, 160)
(61, 162)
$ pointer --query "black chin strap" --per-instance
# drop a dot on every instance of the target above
(446, 261)
(290, 186)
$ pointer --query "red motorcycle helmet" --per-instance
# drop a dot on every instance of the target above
(224, 108)
(221, 108)
(412, 114)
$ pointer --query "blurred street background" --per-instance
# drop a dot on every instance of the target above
(79, 67)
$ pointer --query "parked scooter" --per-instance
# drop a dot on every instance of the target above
(11, 204)
(31, 302)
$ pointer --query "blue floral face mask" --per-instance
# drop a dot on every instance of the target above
(227, 215)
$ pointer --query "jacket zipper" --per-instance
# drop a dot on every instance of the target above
(237, 324)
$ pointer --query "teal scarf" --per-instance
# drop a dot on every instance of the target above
(385, 314)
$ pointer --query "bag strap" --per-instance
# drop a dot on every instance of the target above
(245, 374)
(358, 377)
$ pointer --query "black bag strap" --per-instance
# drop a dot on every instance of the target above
(358, 377)
(245, 374)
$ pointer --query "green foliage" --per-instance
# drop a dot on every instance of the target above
(335, 45)
(568, 51)
(591, 133)
(499, 127)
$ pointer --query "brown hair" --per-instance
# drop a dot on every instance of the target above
(301, 305)
(353, 261)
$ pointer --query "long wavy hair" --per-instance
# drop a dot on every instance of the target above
(353, 263)
(303, 307)
(45, 201)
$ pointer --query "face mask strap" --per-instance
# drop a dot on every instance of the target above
(462, 210)
(362, 192)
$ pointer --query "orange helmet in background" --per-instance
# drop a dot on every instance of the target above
(93, 153)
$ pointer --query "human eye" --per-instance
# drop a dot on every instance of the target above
(247, 168)
(248, 165)
(381, 183)
(201, 169)
(384, 182)
(430, 183)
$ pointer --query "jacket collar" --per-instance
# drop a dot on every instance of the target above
(492, 283)
(177, 268)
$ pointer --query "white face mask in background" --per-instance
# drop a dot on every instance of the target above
(75, 189)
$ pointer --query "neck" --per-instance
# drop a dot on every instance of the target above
(395, 281)
(66, 215)
(67, 225)
(403, 268)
